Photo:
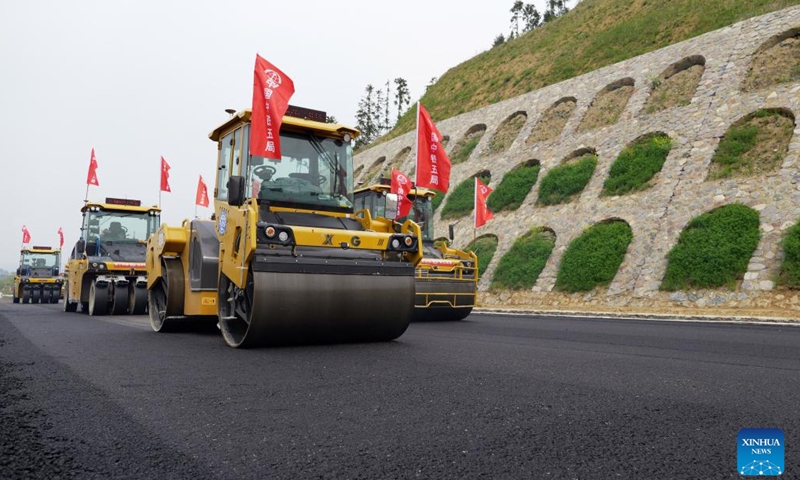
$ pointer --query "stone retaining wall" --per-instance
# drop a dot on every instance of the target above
(680, 191)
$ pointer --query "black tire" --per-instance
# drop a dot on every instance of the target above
(36, 296)
(16, 299)
(137, 302)
(119, 305)
(69, 307)
(26, 296)
(98, 299)
(54, 296)
(47, 296)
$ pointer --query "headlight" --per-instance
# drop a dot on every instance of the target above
(275, 234)
(283, 237)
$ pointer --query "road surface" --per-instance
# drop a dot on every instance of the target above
(491, 397)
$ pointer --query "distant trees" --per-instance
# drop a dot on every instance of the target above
(525, 17)
(374, 115)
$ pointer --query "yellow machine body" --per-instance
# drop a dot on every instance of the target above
(38, 278)
(106, 271)
(446, 279)
(293, 262)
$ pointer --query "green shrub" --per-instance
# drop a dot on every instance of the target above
(437, 200)
(513, 189)
(563, 182)
(755, 144)
(484, 248)
(462, 199)
(594, 257)
(713, 250)
(790, 267)
(463, 153)
(521, 266)
(637, 164)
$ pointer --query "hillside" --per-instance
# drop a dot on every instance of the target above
(595, 34)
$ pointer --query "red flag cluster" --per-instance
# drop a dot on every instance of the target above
(165, 176)
(482, 212)
(401, 185)
(433, 164)
(26, 235)
(272, 90)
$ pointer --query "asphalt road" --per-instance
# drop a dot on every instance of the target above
(492, 396)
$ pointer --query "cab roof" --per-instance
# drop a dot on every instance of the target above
(39, 250)
(242, 117)
(109, 207)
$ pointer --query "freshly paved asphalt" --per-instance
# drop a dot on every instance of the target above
(492, 397)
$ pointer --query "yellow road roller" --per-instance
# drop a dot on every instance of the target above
(286, 259)
(106, 271)
(38, 278)
(446, 278)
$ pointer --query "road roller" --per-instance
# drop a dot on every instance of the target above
(38, 278)
(286, 259)
(106, 269)
(446, 279)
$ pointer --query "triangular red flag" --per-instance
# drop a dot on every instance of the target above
(272, 90)
(60, 238)
(165, 176)
(482, 212)
(401, 185)
(202, 193)
(91, 178)
(433, 164)
(26, 235)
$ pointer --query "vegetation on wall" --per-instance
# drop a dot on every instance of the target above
(462, 199)
(713, 250)
(514, 187)
(592, 259)
(564, 182)
(637, 164)
(521, 266)
(790, 266)
(484, 248)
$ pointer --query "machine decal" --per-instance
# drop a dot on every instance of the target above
(222, 222)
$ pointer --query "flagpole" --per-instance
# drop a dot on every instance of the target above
(416, 149)
(86, 196)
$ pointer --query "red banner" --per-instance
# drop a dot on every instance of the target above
(60, 238)
(91, 178)
(433, 164)
(165, 176)
(202, 193)
(401, 185)
(482, 212)
(272, 90)
(26, 235)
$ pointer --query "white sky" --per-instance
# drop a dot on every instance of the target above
(138, 79)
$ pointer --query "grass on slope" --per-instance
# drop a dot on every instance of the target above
(595, 34)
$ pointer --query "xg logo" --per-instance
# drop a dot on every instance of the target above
(328, 239)
(355, 241)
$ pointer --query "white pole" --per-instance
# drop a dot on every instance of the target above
(416, 149)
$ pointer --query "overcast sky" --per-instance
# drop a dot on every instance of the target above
(138, 79)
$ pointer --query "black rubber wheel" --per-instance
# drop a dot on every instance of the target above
(54, 296)
(69, 306)
(119, 305)
(98, 299)
(36, 296)
(47, 296)
(137, 300)
(26, 296)
(165, 298)
(16, 299)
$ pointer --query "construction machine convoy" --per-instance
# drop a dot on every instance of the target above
(286, 259)
(446, 278)
(38, 278)
(106, 269)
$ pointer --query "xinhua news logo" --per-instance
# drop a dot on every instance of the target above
(760, 452)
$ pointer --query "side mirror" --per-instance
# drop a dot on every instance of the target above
(452, 228)
(18, 270)
(80, 248)
(392, 206)
(236, 191)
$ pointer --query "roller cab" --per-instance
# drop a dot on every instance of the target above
(106, 269)
(38, 278)
(296, 264)
(446, 279)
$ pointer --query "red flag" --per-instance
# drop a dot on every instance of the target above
(60, 238)
(433, 164)
(272, 90)
(482, 212)
(202, 193)
(91, 178)
(26, 235)
(401, 185)
(165, 176)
